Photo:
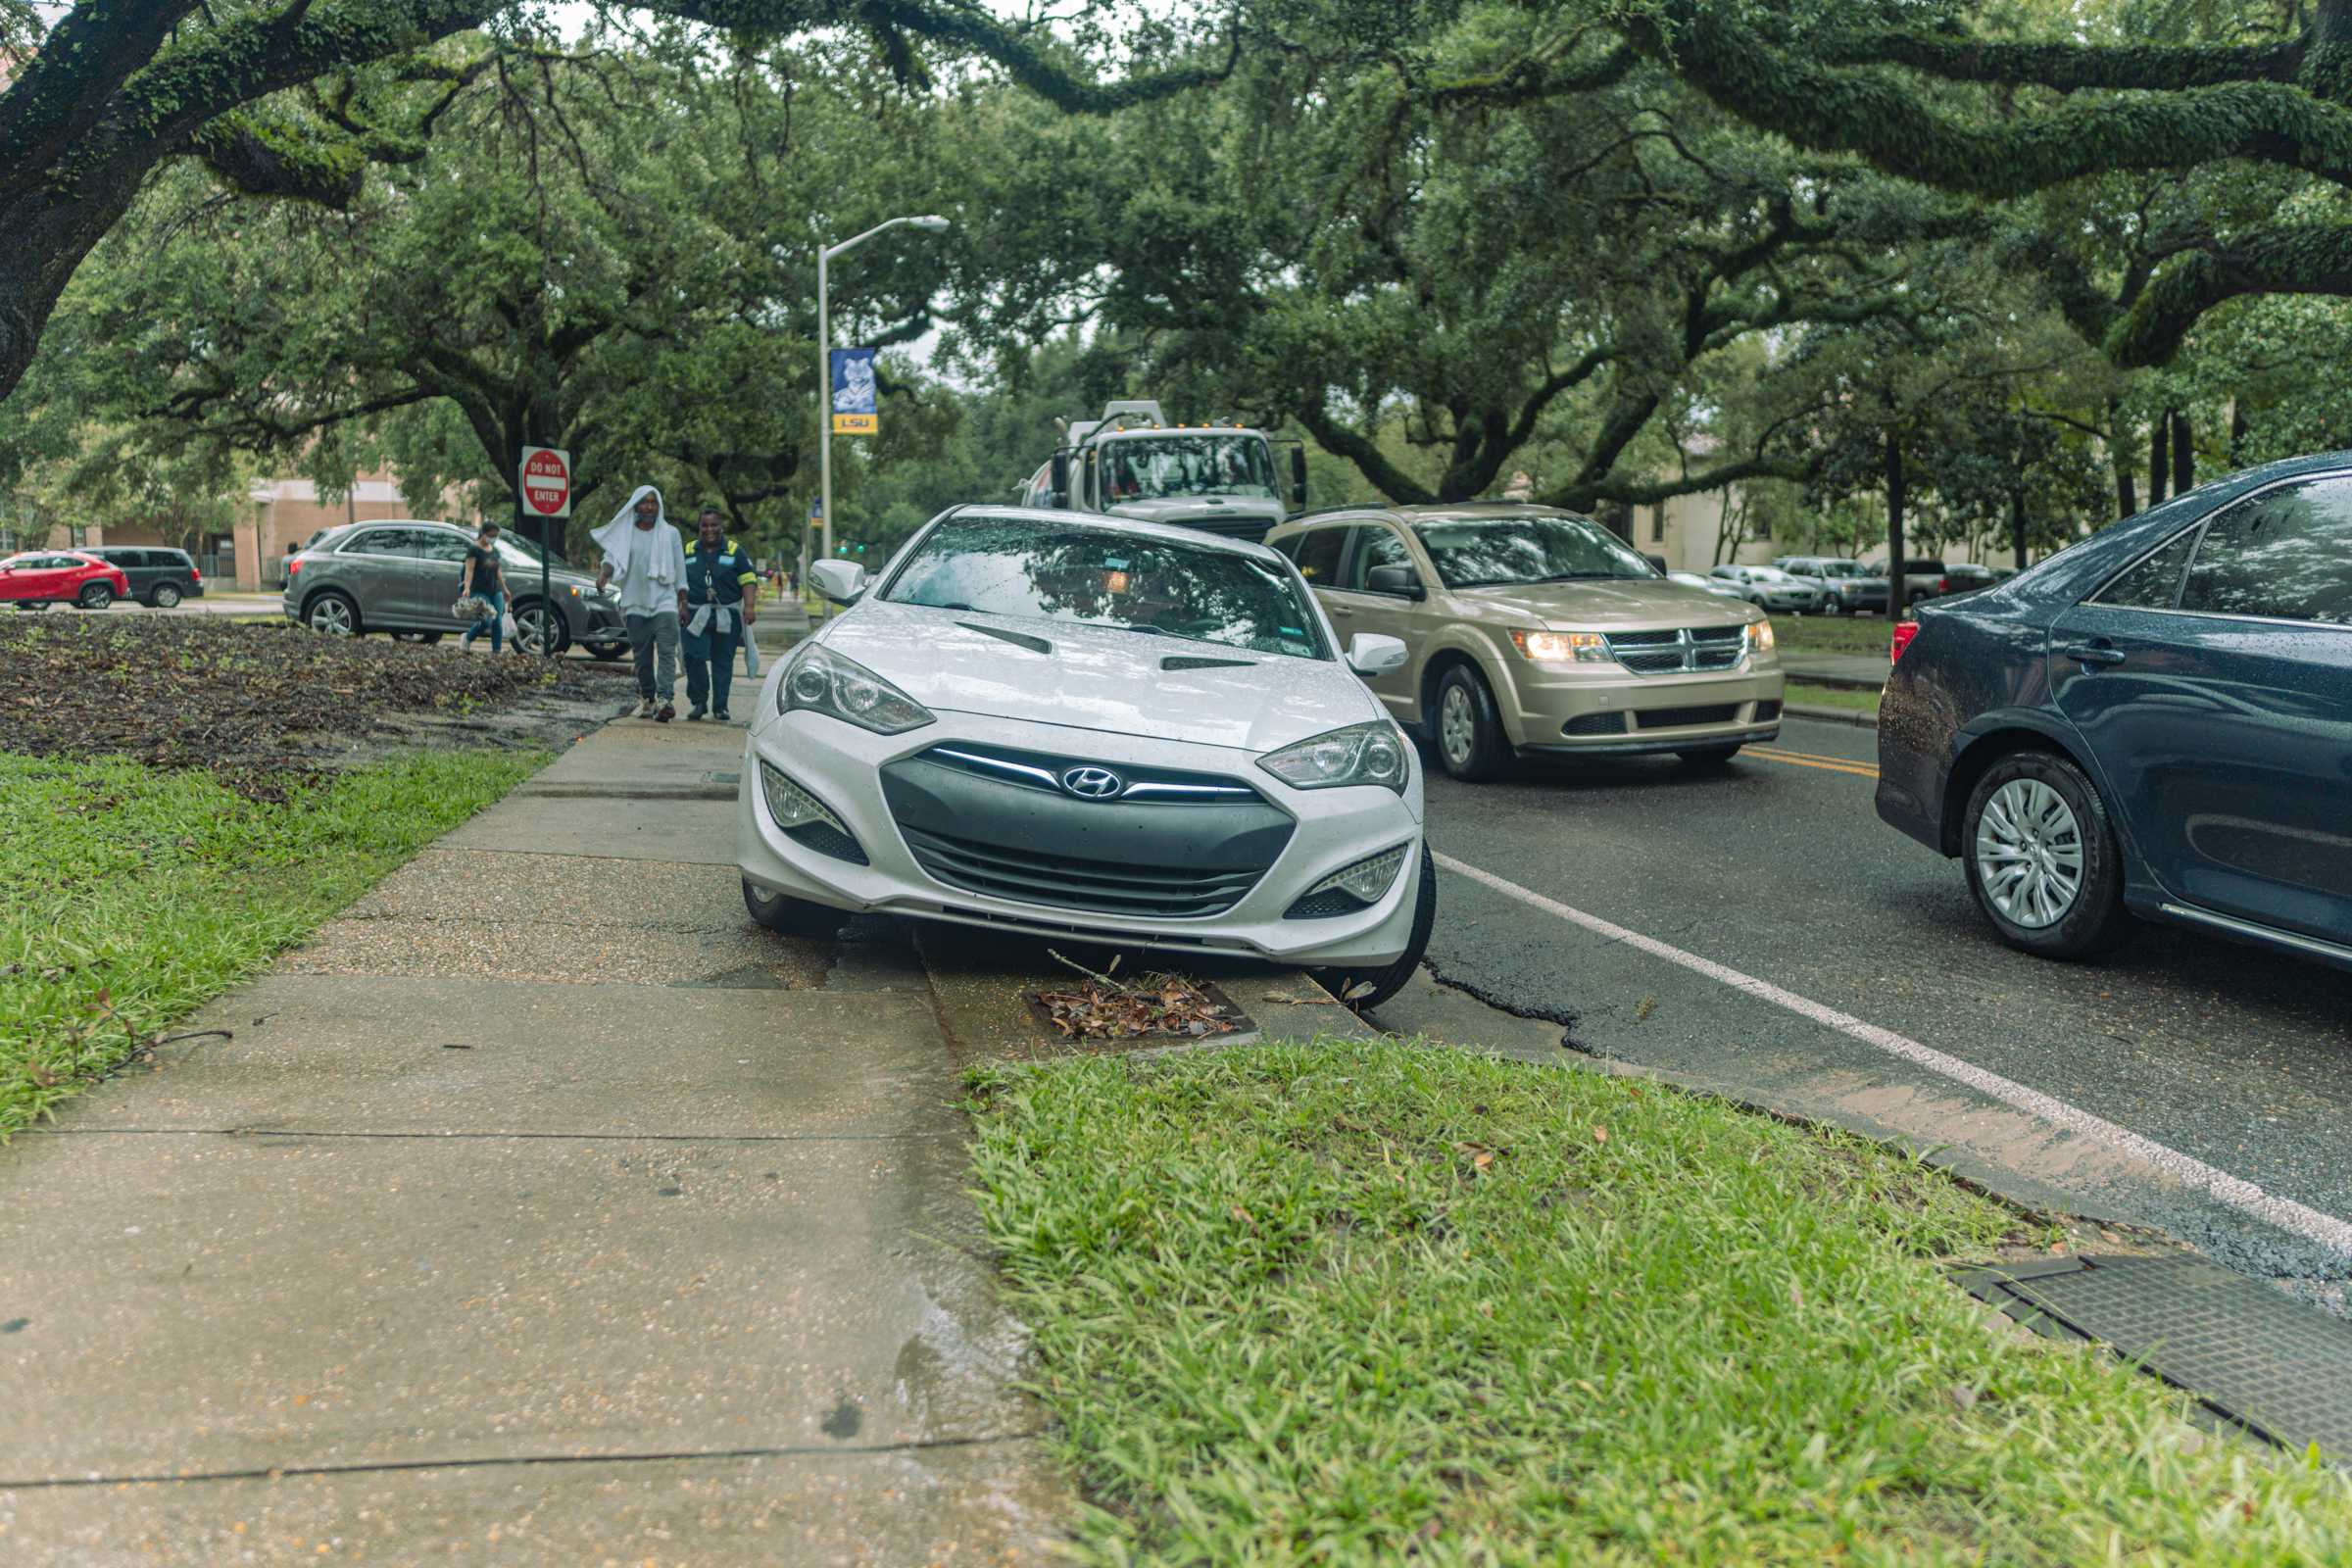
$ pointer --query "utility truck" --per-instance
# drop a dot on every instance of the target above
(1132, 463)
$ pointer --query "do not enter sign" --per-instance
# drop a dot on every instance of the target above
(547, 481)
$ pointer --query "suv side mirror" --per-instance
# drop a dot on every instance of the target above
(1370, 654)
(1297, 476)
(1060, 479)
(1394, 579)
(841, 581)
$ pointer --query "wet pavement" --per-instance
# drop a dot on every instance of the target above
(536, 1212)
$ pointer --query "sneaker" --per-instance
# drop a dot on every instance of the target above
(668, 711)
(723, 717)
(693, 713)
(645, 710)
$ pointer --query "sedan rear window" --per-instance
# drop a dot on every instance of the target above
(1099, 577)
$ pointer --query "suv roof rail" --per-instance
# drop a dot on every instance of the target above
(1350, 505)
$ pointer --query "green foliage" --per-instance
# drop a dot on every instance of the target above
(1387, 1302)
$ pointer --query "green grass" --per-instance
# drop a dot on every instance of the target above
(1832, 634)
(128, 895)
(1359, 1304)
(1832, 697)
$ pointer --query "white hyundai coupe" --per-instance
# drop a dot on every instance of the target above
(1069, 726)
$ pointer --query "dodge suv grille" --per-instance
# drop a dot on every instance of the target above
(1680, 652)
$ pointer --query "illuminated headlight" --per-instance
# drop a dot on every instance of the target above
(1759, 637)
(821, 682)
(1563, 647)
(1360, 754)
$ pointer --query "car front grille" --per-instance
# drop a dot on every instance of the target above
(1611, 723)
(1684, 718)
(1032, 876)
(1678, 652)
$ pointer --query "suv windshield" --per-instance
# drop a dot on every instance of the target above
(1487, 551)
(1155, 468)
(1054, 572)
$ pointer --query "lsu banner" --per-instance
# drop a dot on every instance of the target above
(854, 406)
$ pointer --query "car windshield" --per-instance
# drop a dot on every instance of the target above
(1099, 577)
(1490, 552)
(1156, 468)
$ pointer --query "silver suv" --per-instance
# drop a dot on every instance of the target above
(401, 576)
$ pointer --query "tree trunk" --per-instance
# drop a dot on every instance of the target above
(2238, 434)
(2017, 523)
(2185, 456)
(2160, 462)
(1895, 596)
(2118, 449)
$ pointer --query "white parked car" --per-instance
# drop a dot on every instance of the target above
(1769, 588)
(1064, 724)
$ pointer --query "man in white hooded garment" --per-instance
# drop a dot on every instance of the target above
(644, 553)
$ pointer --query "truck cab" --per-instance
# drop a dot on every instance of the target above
(1131, 462)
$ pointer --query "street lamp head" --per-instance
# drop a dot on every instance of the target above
(933, 225)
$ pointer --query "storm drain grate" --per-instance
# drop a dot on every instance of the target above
(2279, 1368)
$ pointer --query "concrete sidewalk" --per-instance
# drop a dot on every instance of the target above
(541, 1210)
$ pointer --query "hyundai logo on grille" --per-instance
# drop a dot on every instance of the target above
(1094, 783)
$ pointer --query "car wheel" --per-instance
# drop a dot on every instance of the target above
(1835, 607)
(428, 638)
(607, 650)
(535, 624)
(333, 613)
(165, 597)
(792, 917)
(1471, 745)
(2042, 859)
(1386, 982)
(1708, 756)
(95, 595)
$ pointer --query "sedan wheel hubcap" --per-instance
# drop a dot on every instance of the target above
(2029, 854)
(1454, 724)
(331, 617)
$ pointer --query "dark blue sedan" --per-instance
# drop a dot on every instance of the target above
(2154, 722)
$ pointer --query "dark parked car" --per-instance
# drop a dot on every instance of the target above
(403, 577)
(159, 579)
(2154, 722)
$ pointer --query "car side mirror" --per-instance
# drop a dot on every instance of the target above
(1061, 478)
(1297, 476)
(1394, 579)
(1370, 654)
(841, 581)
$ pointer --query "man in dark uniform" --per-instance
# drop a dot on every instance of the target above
(722, 596)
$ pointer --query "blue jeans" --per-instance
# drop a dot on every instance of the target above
(495, 622)
(711, 663)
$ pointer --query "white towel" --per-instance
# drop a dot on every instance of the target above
(621, 538)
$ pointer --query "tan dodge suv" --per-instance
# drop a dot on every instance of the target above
(1538, 630)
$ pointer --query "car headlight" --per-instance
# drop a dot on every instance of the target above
(1759, 637)
(822, 682)
(1562, 647)
(1360, 754)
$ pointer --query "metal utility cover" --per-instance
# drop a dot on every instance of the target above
(2279, 1368)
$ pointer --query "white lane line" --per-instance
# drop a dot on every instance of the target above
(2235, 1191)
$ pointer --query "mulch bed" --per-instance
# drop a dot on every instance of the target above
(244, 701)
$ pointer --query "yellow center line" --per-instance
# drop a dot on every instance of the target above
(1826, 765)
(1819, 756)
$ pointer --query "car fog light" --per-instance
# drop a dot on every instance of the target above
(1351, 888)
(804, 819)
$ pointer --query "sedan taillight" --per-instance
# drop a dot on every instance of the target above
(1904, 631)
(195, 574)
(293, 567)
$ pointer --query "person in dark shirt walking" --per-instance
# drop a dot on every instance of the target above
(720, 588)
(485, 578)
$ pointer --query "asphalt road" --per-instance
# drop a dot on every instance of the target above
(1776, 870)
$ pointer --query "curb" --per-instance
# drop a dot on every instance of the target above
(1834, 715)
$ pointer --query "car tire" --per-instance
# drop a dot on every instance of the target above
(95, 595)
(535, 620)
(606, 650)
(428, 638)
(2037, 810)
(792, 917)
(333, 613)
(1835, 607)
(165, 597)
(1390, 979)
(1708, 756)
(1470, 743)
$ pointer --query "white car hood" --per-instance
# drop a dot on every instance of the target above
(1100, 678)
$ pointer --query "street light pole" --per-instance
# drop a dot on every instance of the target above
(825, 369)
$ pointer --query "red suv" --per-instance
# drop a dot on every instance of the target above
(41, 577)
